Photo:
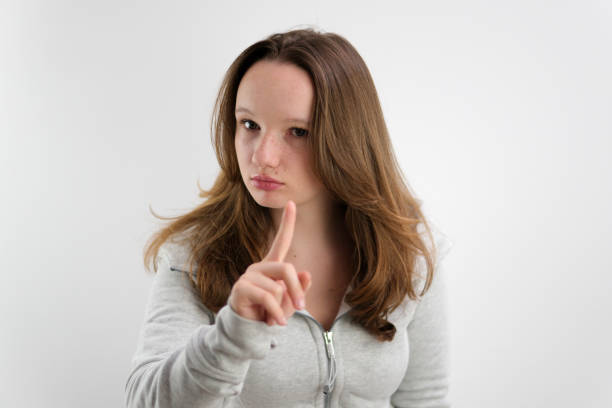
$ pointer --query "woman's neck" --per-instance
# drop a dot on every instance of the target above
(319, 228)
(320, 242)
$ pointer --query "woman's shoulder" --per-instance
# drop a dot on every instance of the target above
(443, 245)
(439, 248)
(176, 250)
(441, 240)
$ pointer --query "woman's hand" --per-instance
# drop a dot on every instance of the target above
(271, 290)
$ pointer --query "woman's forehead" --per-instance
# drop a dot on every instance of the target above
(278, 89)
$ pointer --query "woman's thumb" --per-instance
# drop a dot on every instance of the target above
(305, 280)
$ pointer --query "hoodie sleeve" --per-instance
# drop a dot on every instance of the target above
(426, 382)
(185, 357)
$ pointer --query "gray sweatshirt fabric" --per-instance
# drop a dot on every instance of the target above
(187, 356)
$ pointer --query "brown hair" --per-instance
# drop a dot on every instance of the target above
(353, 158)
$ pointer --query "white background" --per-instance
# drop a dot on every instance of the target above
(500, 114)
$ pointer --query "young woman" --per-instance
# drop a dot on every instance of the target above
(309, 277)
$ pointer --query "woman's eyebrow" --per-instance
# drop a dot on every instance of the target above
(243, 109)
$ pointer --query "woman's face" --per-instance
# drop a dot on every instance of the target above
(273, 110)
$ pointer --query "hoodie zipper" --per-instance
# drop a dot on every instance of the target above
(328, 340)
(331, 371)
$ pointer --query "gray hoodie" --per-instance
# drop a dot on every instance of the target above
(187, 356)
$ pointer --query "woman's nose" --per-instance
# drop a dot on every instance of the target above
(268, 151)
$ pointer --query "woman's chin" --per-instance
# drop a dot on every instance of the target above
(265, 199)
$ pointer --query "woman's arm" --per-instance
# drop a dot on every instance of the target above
(185, 359)
(426, 381)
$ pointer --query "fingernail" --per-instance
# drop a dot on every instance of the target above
(301, 304)
(283, 321)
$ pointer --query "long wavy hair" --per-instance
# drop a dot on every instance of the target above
(353, 158)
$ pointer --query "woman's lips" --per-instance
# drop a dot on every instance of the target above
(261, 177)
(266, 183)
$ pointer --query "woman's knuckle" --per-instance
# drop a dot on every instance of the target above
(238, 286)
(269, 299)
(286, 271)
(251, 269)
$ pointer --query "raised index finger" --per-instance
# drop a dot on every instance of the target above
(284, 235)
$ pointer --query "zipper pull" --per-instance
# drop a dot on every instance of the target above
(329, 344)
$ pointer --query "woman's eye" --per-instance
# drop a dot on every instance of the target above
(250, 125)
(299, 132)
